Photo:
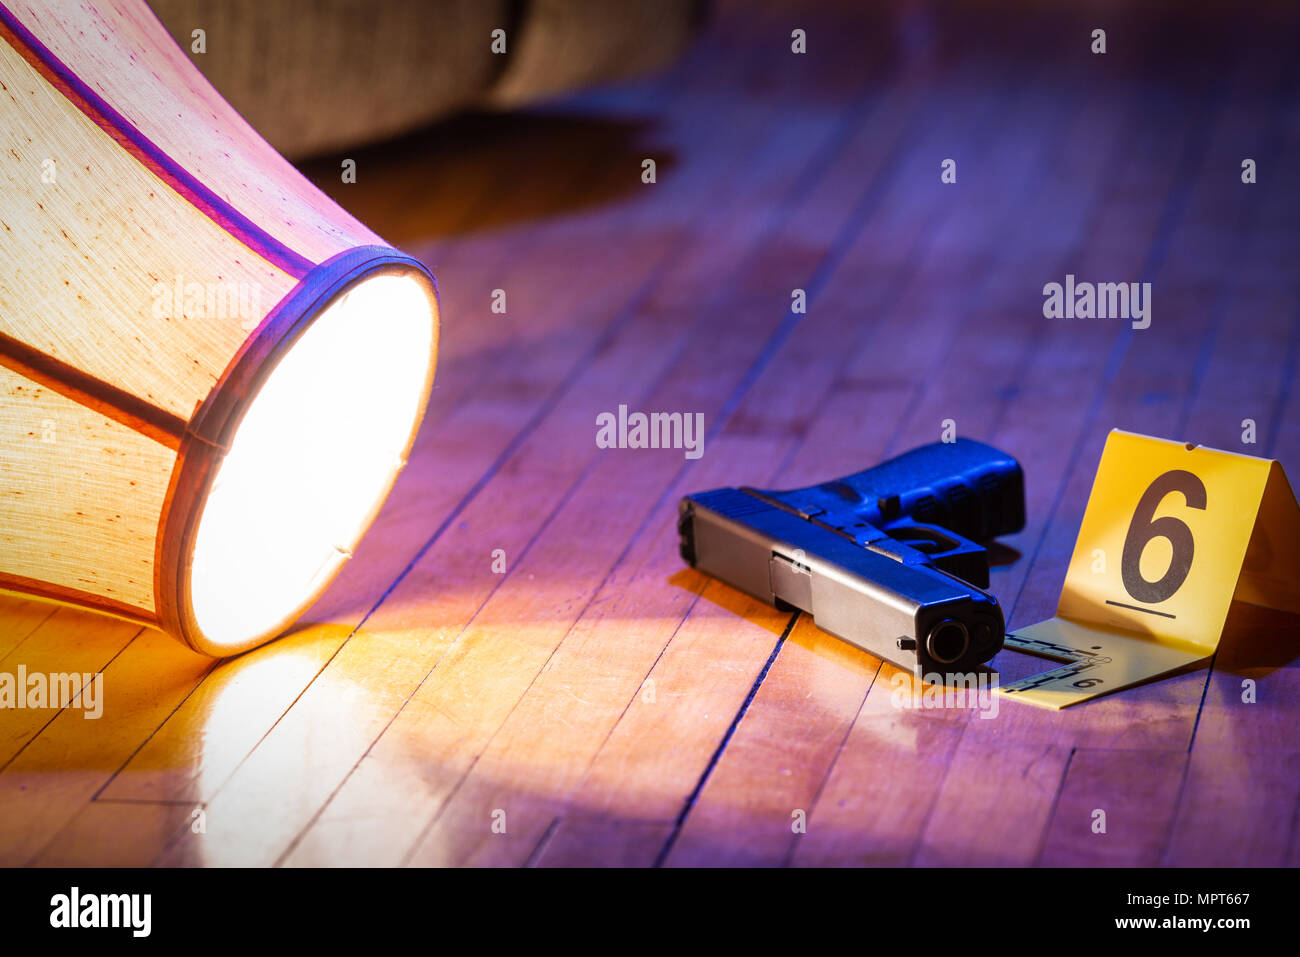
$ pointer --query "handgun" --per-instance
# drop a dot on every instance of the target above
(891, 559)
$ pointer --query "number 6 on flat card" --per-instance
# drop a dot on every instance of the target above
(1172, 534)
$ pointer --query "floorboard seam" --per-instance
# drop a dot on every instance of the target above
(793, 849)
(722, 745)
(1051, 814)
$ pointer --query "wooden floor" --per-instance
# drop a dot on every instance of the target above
(601, 702)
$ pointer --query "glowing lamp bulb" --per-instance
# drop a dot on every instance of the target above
(311, 461)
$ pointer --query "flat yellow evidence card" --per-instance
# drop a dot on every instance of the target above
(1172, 534)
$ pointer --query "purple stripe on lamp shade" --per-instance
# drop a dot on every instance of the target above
(147, 152)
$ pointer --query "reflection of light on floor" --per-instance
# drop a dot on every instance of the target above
(254, 756)
(247, 695)
(385, 755)
(500, 724)
(898, 719)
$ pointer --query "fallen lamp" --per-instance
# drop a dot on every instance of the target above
(210, 374)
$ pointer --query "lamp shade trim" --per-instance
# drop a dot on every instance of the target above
(216, 419)
(235, 223)
(63, 595)
(210, 432)
(104, 397)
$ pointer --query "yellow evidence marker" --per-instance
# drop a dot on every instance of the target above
(1172, 535)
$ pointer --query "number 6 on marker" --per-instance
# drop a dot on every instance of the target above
(1144, 528)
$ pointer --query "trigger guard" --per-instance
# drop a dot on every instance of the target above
(948, 552)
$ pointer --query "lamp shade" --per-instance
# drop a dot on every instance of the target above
(210, 374)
